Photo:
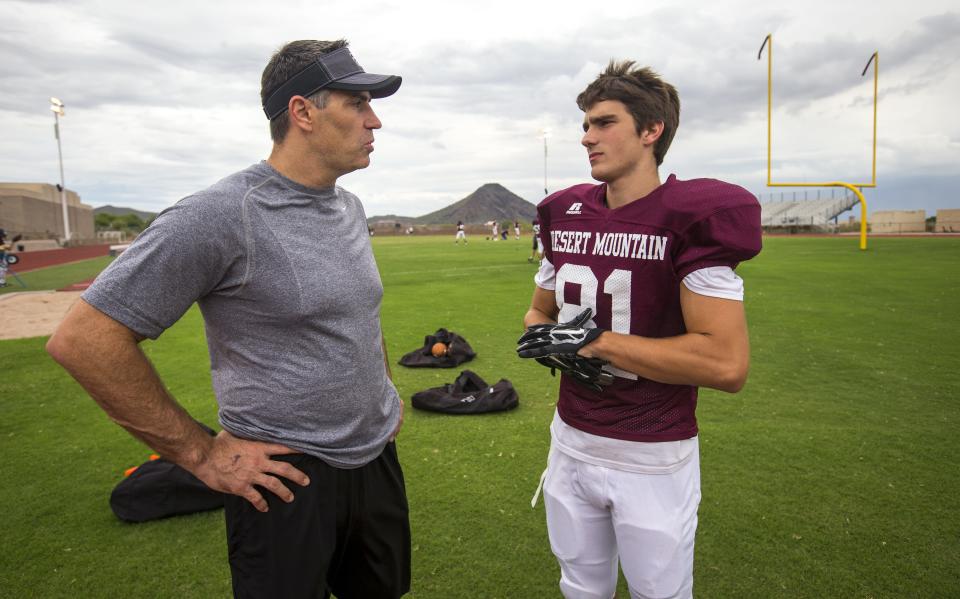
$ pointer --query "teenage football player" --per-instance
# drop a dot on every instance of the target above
(639, 273)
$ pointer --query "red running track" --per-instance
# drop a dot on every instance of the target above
(44, 258)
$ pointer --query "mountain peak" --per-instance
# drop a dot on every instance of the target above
(490, 201)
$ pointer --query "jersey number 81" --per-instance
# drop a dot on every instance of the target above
(616, 285)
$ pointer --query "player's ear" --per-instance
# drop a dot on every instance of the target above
(651, 133)
(299, 110)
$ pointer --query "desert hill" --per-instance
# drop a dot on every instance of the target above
(490, 201)
(121, 211)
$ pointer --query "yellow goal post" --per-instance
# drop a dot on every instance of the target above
(854, 187)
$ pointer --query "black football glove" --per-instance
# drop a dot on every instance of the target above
(585, 371)
(563, 338)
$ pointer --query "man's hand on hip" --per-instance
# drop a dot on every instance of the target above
(234, 465)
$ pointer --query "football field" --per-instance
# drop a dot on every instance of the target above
(832, 474)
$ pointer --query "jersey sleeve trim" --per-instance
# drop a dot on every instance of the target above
(715, 281)
(546, 277)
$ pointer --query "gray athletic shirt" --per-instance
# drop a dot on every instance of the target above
(290, 295)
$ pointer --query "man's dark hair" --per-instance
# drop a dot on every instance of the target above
(648, 98)
(284, 64)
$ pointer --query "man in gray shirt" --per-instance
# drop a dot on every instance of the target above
(279, 260)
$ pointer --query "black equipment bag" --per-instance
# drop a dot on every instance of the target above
(458, 351)
(159, 489)
(469, 394)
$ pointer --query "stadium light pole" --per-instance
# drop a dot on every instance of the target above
(57, 107)
(854, 187)
(545, 134)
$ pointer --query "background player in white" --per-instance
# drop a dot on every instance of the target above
(461, 233)
(653, 264)
(516, 229)
(537, 251)
(495, 233)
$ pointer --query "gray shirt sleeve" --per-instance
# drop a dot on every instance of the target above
(190, 250)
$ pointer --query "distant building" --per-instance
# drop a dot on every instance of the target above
(34, 210)
(111, 236)
(898, 221)
(948, 220)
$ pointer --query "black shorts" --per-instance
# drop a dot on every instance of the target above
(348, 533)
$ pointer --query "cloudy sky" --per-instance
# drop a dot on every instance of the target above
(162, 99)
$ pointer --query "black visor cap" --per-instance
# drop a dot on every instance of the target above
(336, 70)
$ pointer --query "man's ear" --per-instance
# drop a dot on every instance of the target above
(299, 110)
(651, 133)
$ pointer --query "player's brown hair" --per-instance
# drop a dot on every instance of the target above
(648, 98)
(284, 64)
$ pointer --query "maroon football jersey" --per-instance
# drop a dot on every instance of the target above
(627, 264)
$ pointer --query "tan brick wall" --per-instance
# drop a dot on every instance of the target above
(898, 221)
(948, 220)
(34, 210)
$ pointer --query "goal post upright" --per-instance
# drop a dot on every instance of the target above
(856, 188)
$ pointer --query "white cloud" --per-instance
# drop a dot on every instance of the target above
(162, 100)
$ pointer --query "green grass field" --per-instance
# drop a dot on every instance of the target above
(56, 277)
(832, 474)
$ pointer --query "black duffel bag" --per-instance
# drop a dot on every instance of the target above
(469, 394)
(458, 352)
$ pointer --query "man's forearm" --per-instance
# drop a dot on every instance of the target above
(138, 401)
(689, 359)
(109, 364)
(543, 308)
(105, 358)
(533, 317)
(713, 352)
(537, 316)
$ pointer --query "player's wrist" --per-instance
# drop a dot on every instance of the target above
(596, 348)
(535, 317)
(197, 455)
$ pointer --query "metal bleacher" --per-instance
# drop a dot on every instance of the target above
(798, 209)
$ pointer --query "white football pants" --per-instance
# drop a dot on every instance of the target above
(596, 515)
